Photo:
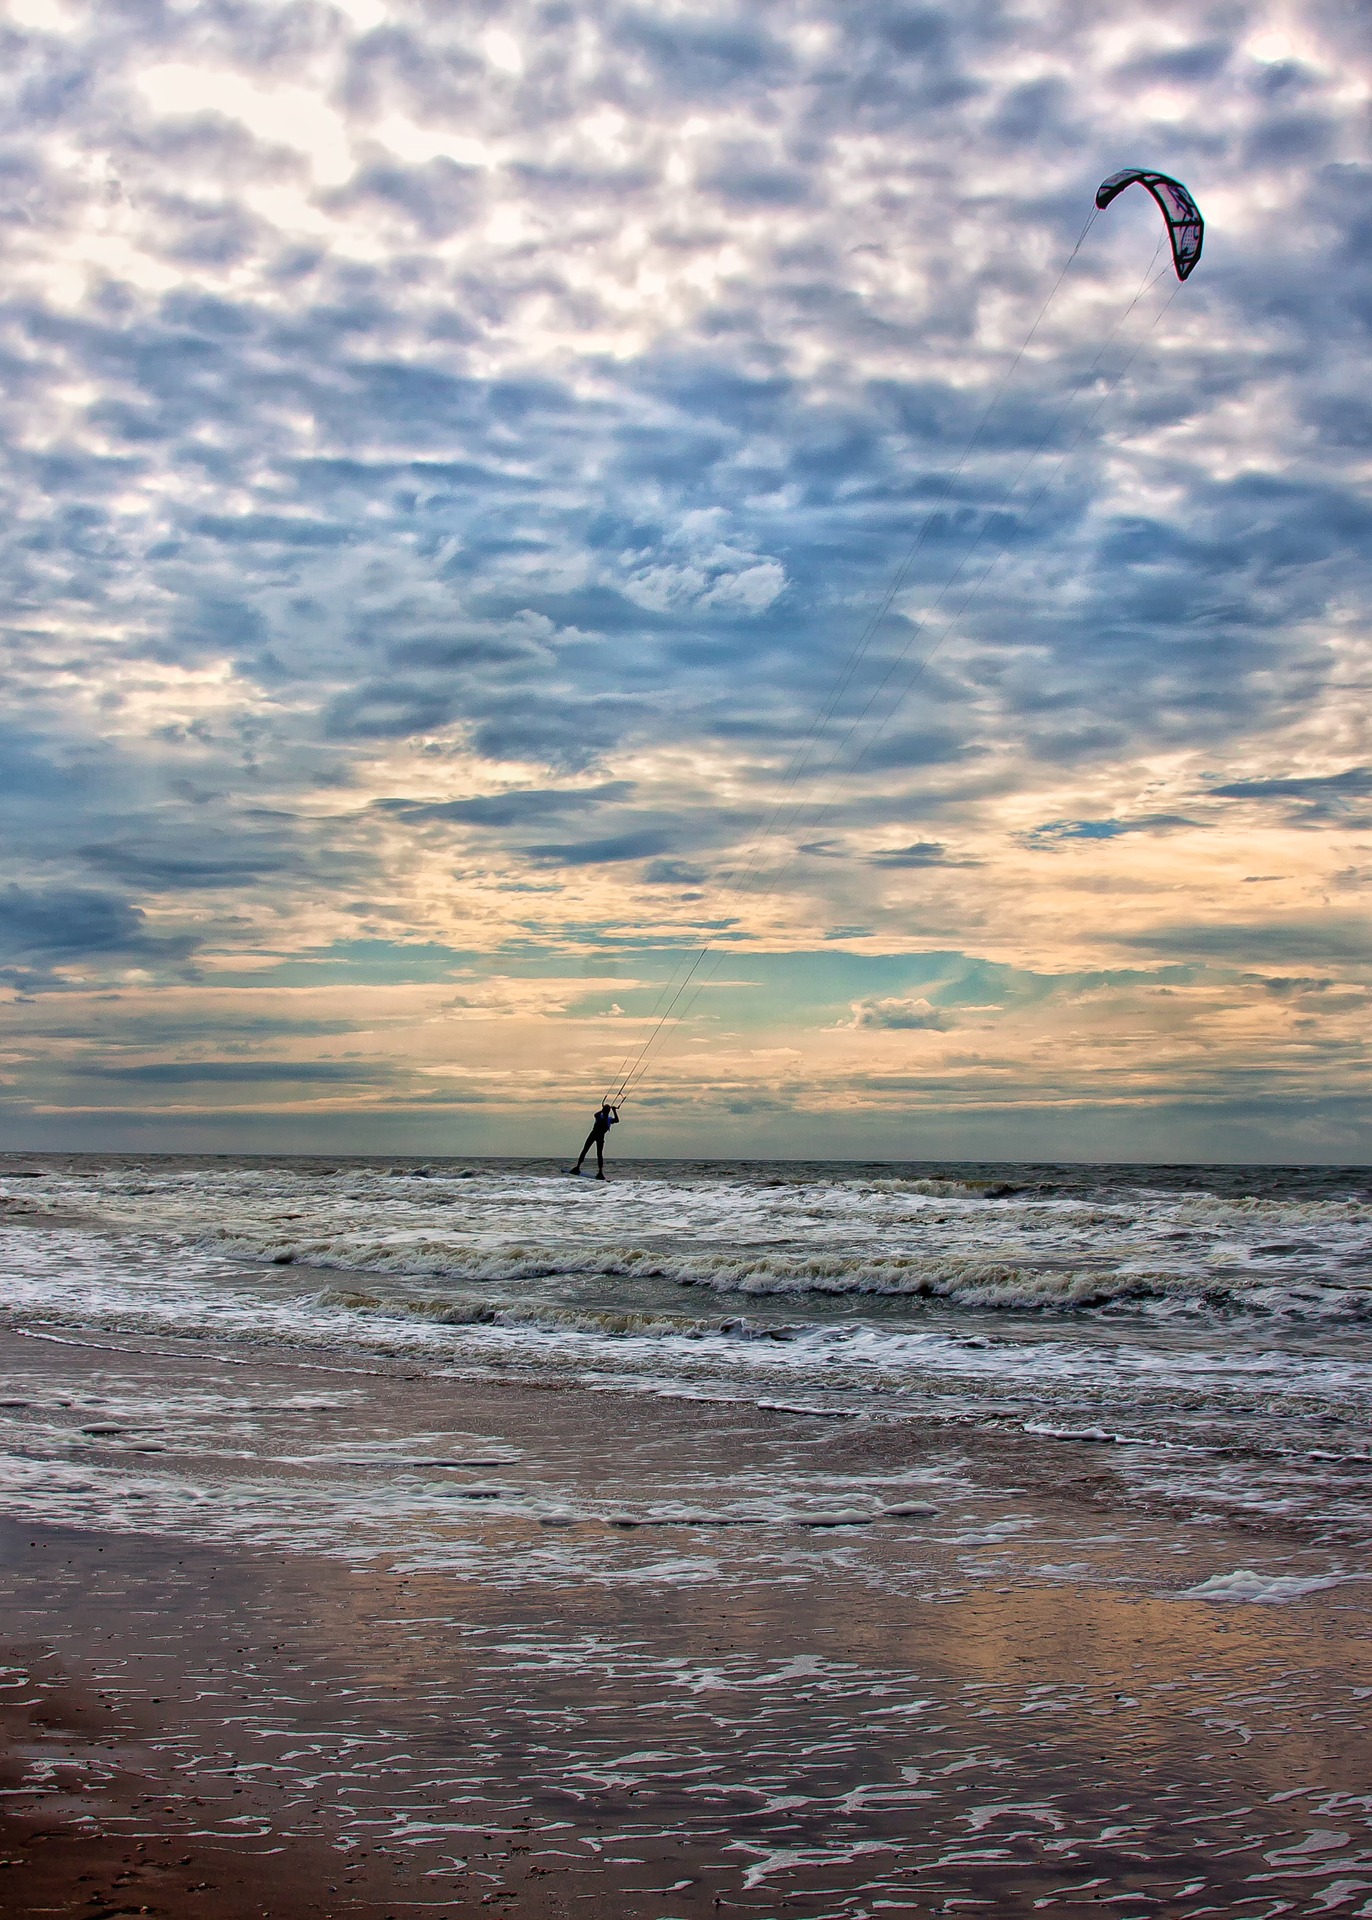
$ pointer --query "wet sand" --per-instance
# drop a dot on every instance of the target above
(997, 1699)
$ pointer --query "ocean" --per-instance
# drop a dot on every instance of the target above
(1210, 1326)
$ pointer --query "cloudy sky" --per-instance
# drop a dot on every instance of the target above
(492, 493)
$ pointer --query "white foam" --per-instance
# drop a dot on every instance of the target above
(889, 1238)
(1263, 1589)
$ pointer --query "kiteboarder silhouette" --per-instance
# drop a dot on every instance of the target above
(606, 1118)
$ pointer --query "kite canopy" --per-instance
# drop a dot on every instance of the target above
(1185, 227)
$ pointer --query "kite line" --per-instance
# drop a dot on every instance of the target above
(1185, 229)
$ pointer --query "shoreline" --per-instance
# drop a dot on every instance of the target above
(672, 1719)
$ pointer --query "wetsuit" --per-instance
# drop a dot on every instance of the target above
(600, 1126)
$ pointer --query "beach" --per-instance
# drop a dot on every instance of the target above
(313, 1606)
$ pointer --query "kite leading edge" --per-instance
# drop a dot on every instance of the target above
(1185, 227)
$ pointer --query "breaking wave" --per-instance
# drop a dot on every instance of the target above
(450, 1313)
(509, 1242)
(986, 1284)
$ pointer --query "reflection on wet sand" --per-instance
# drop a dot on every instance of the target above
(922, 1671)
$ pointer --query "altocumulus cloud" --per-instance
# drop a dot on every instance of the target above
(450, 457)
(894, 1015)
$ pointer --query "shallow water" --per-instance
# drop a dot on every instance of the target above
(810, 1754)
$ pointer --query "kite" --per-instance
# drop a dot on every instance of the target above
(1185, 227)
